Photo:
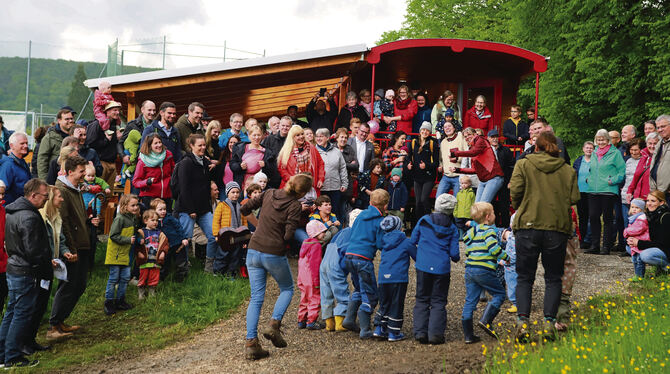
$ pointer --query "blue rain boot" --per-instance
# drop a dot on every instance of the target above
(349, 321)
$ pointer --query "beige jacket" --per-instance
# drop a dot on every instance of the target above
(445, 152)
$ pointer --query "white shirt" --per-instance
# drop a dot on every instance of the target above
(360, 154)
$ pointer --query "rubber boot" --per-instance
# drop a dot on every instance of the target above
(338, 324)
(110, 308)
(349, 321)
(468, 332)
(330, 324)
(364, 320)
(272, 332)
(152, 291)
(141, 293)
(209, 265)
(121, 304)
(486, 322)
(253, 350)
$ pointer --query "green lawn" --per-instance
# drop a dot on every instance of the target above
(626, 333)
(178, 310)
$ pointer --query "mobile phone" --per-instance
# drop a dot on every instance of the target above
(322, 92)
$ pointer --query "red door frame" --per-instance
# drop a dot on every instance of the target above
(496, 111)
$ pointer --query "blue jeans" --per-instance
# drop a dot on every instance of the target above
(363, 274)
(335, 197)
(477, 280)
(118, 274)
(333, 287)
(625, 208)
(447, 183)
(654, 256)
(258, 265)
(23, 292)
(510, 279)
(488, 190)
(205, 223)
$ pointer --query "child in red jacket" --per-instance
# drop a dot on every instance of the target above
(308, 276)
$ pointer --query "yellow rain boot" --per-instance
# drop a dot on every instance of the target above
(512, 309)
(338, 324)
(330, 324)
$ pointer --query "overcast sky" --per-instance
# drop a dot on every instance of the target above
(82, 29)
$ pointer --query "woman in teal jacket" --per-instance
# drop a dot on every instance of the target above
(608, 170)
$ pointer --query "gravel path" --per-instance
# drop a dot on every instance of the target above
(220, 348)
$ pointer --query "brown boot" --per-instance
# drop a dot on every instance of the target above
(253, 350)
(55, 333)
(67, 328)
(272, 333)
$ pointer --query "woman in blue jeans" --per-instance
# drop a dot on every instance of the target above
(656, 251)
(279, 218)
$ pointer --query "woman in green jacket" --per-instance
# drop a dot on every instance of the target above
(608, 170)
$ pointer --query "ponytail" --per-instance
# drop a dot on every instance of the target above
(546, 142)
(298, 185)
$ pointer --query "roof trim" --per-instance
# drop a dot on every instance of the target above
(458, 45)
(233, 65)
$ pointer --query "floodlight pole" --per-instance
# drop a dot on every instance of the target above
(164, 43)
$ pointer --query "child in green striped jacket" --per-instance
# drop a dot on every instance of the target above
(483, 252)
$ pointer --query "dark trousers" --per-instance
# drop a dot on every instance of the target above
(391, 306)
(68, 293)
(3, 290)
(529, 245)
(430, 313)
(619, 225)
(602, 205)
(422, 192)
(583, 213)
(501, 207)
(335, 197)
(40, 308)
(229, 262)
(180, 260)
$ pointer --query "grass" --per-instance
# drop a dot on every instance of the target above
(177, 311)
(626, 333)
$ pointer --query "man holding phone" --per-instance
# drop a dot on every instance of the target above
(321, 111)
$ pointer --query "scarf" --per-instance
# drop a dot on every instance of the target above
(302, 159)
(403, 104)
(235, 218)
(632, 218)
(325, 149)
(600, 152)
(453, 137)
(154, 159)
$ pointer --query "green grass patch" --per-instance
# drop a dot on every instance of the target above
(627, 333)
(177, 311)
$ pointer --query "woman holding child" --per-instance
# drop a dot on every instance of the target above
(250, 158)
(656, 250)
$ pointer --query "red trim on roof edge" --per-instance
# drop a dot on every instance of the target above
(458, 45)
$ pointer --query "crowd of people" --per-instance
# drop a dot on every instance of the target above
(245, 198)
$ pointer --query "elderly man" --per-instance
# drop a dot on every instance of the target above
(273, 125)
(540, 126)
(659, 174)
(236, 121)
(189, 124)
(165, 130)
(105, 143)
(628, 133)
(14, 170)
(273, 144)
(144, 120)
(363, 148)
(50, 145)
(29, 267)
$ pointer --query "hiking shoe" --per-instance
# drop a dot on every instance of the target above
(393, 337)
(253, 350)
(110, 307)
(316, 325)
(302, 325)
(436, 340)
(272, 332)
(21, 362)
(121, 304)
(422, 339)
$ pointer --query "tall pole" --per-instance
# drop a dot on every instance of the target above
(224, 51)
(164, 43)
(30, 47)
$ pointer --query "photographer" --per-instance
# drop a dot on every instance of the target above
(321, 111)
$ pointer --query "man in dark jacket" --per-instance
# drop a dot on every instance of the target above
(515, 130)
(540, 126)
(144, 120)
(321, 112)
(164, 128)
(50, 144)
(105, 143)
(273, 143)
(29, 267)
(292, 111)
(190, 124)
(85, 151)
(506, 160)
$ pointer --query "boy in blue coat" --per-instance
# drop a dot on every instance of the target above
(398, 195)
(436, 238)
(366, 238)
(393, 280)
(170, 226)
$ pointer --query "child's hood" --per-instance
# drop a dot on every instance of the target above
(393, 240)
(369, 214)
(440, 224)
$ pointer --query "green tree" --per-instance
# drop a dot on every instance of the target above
(80, 93)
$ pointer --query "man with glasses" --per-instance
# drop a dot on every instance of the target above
(363, 148)
(14, 171)
(236, 122)
(515, 130)
(50, 145)
(659, 174)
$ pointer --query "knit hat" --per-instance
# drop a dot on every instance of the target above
(449, 112)
(315, 228)
(638, 203)
(259, 177)
(426, 125)
(445, 203)
(352, 216)
(390, 223)
(389, 92)
(230, 186)
(396, 171)
(379, 92)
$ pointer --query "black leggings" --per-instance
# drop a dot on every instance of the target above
(602, 205)
(422, 192)
(583, 212)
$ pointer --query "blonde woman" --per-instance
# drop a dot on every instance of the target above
(299, 156)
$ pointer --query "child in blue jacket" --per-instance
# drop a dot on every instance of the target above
(436, 237)
(398, 194)
(366, 237)
(393, 280)
(177, 240)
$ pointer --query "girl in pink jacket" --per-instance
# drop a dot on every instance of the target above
(308, 276)
(638, 228)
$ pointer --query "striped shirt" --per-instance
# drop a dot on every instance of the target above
(482, 248)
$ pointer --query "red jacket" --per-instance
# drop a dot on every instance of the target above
(484, 162)
(485, 123)
(160, 187)
(3, 253)
(406, 115)
(308, 264)
(639, 187)
(317, 168)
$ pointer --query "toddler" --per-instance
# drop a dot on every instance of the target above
(177, 241)
(483, 252)
(101, 97)
(324, 215)
(384, 108)
(464, 200)
(227, 214)
(448, 117)
(510, 266)
(91, 187)
(436, 238)
(261, 179)
(308, 276)
(638, 228)
(369, 181)
(393, 280)
(399, 195)
(151, 254)
(121, 238)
